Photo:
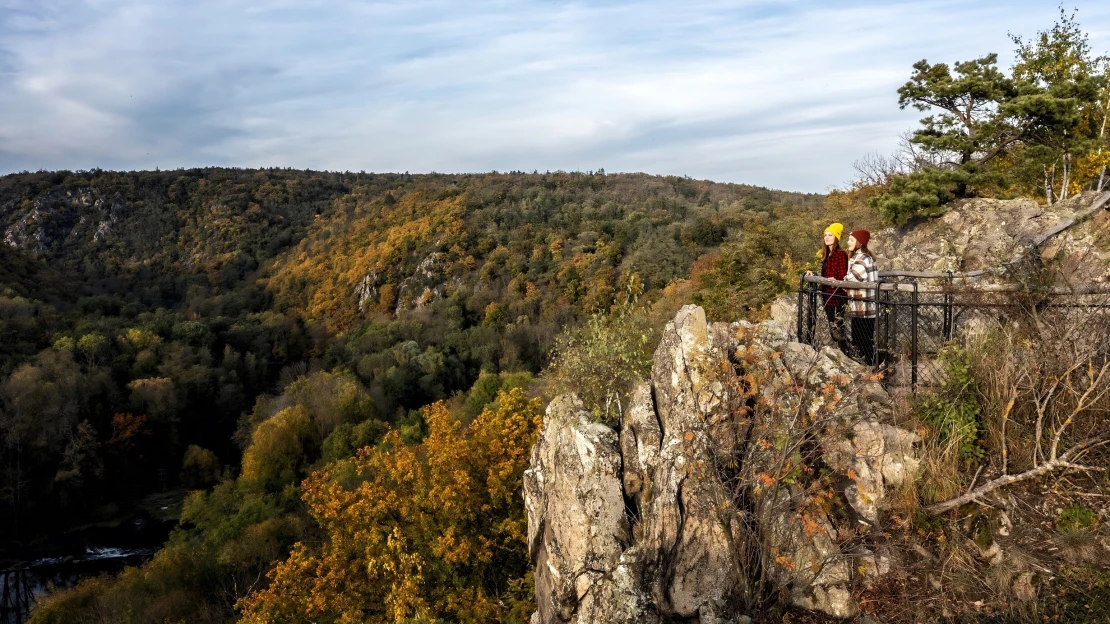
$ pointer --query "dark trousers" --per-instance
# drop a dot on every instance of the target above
(863, 339)
(835, 316)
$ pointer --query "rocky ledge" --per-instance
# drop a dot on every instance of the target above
(697, 507)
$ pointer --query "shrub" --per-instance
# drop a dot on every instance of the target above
(953, 412)
(602, 359)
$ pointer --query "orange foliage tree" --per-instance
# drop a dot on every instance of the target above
(421, 532)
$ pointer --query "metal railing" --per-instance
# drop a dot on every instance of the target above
(914, 322)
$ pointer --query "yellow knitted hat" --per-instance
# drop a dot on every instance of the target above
(835, 229)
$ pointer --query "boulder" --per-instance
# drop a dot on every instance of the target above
(879, 457)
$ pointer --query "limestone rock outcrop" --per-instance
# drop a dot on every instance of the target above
(654, 523)
(577, 528)
(978, 234)
(58, 218)
(691, 542)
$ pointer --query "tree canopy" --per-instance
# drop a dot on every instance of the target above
(1038, 130)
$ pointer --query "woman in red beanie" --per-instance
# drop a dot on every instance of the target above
(862, 302)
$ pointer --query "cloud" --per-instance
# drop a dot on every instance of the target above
(784, 94)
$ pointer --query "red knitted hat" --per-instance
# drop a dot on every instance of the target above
(861, 236)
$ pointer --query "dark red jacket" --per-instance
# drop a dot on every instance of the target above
(835, 266)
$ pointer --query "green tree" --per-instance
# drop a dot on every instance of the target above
(93, 347)
(989, 133)
(746, 275)
(1060, 60)
(970, 96)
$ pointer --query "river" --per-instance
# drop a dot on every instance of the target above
(74, 556)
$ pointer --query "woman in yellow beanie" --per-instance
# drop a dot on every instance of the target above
(834, 265)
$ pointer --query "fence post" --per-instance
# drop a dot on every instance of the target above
(875, 328)
(801, 302)
(948, 309)
(811, 327)
(890, 330)
(913, 339)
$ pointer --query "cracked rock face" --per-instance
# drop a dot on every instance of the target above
(692, 545)
(577, 528)
(987, 233)
(639, 526)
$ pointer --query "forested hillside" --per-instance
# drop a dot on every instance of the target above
(330, 382)
(232, 331)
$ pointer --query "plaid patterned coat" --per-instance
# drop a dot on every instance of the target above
(861, 301)
(835, 267)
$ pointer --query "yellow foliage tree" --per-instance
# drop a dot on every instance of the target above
(277, 447)
(428, 531)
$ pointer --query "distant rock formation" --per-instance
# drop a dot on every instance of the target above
(427, 283)
(57, 216)
(641, 525)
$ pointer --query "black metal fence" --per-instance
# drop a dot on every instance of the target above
(918, 314)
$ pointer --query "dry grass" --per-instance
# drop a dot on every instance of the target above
(1079, 547)
(1003, 577)
(942, 477)
(960, 573)
(905, 500)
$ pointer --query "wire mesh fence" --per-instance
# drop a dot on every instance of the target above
(915, 321)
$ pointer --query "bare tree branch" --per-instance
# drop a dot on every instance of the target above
(990, 486)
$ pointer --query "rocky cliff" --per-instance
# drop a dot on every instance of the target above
(989, 234)
(745, 470)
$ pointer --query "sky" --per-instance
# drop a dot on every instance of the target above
(780, 94)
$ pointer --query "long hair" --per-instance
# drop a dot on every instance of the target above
(866, 251)
(825, 251)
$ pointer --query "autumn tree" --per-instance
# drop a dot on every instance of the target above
(277, 453)
(421, 532)
(199, 468)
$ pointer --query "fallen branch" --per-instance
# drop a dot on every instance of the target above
(1005, 480)
(1064, 396)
